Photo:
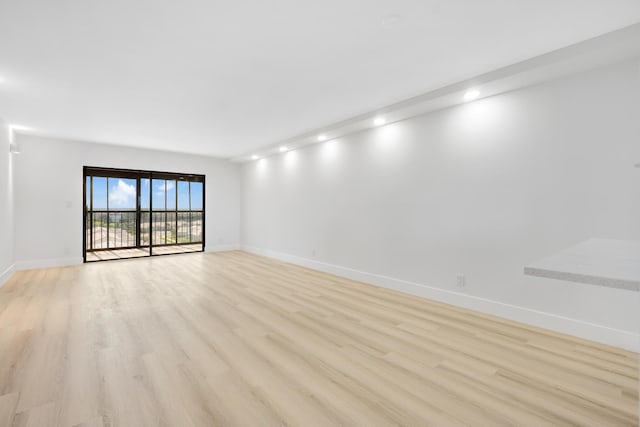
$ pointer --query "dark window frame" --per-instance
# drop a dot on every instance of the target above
(138, 175)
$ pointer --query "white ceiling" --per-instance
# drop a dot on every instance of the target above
(224, 78)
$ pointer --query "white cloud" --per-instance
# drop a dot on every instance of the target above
(160, 187)
(122, 195)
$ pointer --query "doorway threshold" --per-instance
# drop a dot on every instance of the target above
(112, 254)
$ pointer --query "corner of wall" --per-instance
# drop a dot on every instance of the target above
(5, 275)
(223, 248)
(7, 247)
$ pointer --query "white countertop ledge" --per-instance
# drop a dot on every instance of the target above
(602, 262)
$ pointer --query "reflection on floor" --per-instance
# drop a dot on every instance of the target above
(137, 253)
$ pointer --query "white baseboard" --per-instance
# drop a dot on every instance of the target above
(47, 263)
(578, 328)
(4, 276)
(221, 248)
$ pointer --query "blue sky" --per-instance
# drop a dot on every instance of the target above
(122, 193)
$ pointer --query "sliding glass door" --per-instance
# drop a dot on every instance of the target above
(177, 212)
(140, 213)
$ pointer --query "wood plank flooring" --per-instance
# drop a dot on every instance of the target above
(233, 339)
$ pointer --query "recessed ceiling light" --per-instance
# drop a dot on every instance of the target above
(471, 94)
(283, 149)
(379, 121)
(254, 157)
(322, 138)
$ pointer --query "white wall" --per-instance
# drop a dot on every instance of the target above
(481, 190)
(48, 195)
(6, 204)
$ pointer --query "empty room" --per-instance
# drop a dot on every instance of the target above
(330, 213)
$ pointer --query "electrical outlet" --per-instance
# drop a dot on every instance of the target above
(461, 281)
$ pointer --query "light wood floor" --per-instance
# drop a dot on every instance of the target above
(233, 339)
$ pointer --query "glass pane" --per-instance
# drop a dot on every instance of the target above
(183, 195)
(159, 228)
(145, 219)
(122, 194)
(99, 228)
(196, 227)
(144, 193)
(87, 225)
(183, 227)
(196, 196)
(87, 190)
(171, 228)
(122, 229)
(171, 194)
(99, 193)
(159, 195)
(144, 228)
